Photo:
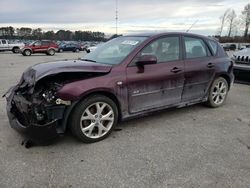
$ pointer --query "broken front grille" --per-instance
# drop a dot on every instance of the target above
(23, 118)
(242, 59)
(20, 108)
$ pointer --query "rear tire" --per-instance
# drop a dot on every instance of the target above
(15, 50)
(218, 93)
(51, 52)
(94, 118)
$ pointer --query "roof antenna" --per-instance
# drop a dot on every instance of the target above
(116, 16)
(192, 26)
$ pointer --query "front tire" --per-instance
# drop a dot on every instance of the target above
(27, 53)
(94, 118)
(218, 93)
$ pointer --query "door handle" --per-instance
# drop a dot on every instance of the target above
(210, 65)
(176, 70)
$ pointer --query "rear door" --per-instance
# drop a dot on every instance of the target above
(199, 68)
(159, 84)
(45, 45)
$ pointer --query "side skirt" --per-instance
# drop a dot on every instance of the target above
(153, 110)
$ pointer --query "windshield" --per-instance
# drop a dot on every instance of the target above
(114, 51)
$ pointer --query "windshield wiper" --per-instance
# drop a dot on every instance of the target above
(89, 60)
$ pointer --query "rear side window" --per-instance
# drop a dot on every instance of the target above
(4, 41)
(195, 48)
(45, 43)
(214, 46)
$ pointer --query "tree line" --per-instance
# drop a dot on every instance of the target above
(232, 25)
(38, 34)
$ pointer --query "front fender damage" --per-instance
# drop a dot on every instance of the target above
(34, 108)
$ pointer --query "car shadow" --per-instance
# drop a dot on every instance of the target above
(69, 139)
(170, 112)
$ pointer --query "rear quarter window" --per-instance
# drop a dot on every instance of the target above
(214, 46)
(195, 47)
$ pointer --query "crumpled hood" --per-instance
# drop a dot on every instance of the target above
(35, 73)
(39, 71)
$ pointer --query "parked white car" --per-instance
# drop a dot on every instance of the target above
(93, 48)
(5, 45)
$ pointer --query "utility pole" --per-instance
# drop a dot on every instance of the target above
(116, 16)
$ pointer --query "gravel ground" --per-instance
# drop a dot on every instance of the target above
(189, 147)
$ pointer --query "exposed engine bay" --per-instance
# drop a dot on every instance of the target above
(38, 103)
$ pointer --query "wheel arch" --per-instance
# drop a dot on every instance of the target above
(51, 48)
(227, 78)
(108, 94)
(28, 49)
(15, 47)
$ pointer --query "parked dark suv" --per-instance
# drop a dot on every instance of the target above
(69, 47)
(126, 77)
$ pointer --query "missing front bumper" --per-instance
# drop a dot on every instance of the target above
(21, 119)
(38, 134)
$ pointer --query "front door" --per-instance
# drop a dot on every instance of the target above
(159, 84)
(199, 69)
(37, 46)
(4, 45)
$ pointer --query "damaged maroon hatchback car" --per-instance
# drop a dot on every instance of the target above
(126, 77)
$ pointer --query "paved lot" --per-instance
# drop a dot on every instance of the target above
(190, 147)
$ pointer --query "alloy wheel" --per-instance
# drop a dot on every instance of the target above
(51, 52)
(97, 120)
(27, 52)
(219, 92)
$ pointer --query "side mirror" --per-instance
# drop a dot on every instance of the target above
(88, 51)
(146, 60)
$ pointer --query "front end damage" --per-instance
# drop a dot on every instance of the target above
(35, 110)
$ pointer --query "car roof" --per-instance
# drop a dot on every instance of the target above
(156, 34)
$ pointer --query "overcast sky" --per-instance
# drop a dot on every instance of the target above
(134, 15)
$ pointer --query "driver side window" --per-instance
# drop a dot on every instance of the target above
(165, 49)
